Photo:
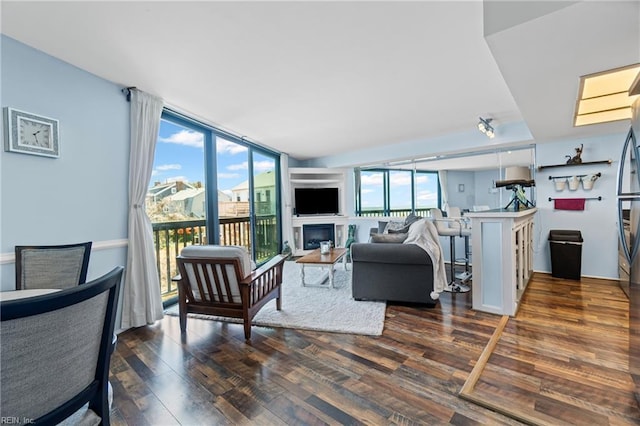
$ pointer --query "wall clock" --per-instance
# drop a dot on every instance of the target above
(29, 133)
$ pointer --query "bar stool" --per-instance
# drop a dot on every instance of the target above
(454, 227)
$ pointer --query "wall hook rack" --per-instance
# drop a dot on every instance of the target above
(570, 176)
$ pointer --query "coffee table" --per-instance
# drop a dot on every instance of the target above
(315, 258)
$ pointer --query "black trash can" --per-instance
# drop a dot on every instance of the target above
(566, 253)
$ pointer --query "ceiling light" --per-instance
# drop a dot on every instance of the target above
(486, 128)
(605, 96)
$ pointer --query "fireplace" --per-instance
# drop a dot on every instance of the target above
(313, 234)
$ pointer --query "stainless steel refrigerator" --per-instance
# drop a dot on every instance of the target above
(629, 229)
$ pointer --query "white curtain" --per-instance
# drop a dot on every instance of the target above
(142, 303)
(444, 196)
(287, 208)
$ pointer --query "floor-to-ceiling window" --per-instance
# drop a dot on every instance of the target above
(210, 187)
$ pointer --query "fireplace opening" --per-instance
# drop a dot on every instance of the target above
(313, 234)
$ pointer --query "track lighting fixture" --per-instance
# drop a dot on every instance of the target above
(486, 128)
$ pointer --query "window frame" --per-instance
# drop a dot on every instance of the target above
(386, 189)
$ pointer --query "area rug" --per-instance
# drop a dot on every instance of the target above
(315, 308)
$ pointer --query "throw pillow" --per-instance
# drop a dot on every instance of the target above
(381, 226)
(388, 238)
(394, 226)
(411, 219)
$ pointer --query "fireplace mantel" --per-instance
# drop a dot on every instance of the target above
(340, 224)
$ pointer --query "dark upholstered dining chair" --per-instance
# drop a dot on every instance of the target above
(55, 354)
(219, 280)
(55, 266)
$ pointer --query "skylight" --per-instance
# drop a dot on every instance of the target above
(604, 96)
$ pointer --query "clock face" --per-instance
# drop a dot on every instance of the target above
(34, 133)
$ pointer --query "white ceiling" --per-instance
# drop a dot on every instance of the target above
(324, 78)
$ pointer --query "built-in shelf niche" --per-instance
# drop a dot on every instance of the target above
(318, 177)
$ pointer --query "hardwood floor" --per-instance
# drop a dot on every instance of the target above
(562, 359)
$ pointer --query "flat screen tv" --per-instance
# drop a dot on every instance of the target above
(316, 201)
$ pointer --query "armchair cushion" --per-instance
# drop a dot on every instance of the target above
(223, 252)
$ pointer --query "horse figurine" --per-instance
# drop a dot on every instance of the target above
(576, 159)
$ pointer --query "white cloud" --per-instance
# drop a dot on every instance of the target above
(258, 166)
(422, 178)
(240, 166)
(427, 196)
(228, 175)
(187, 138)
(400, 179)
(371, 179)
(366, 191)
(261, 166)
(164, 167)
(177, 179)
(226, 147)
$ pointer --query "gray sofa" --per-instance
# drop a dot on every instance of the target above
(391, 272)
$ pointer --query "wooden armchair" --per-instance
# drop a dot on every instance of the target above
(218, 280)
(59, 266)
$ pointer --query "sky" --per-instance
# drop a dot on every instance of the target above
(180, 156)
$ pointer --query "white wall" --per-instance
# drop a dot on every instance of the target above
(81, 196)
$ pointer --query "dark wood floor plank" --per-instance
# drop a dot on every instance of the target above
(561, 360)
(564, 357)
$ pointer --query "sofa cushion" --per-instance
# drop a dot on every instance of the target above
(389, 238)
(394, 226)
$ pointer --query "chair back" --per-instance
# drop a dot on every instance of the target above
(56, 350)
(57, 266)
(445, 226)
(212, 273)
(454, 212)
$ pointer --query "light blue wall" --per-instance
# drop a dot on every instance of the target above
(485, 192)
(512, 134)
(598, 222)
(466, 198)
(82, 195)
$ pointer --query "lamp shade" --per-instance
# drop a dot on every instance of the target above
(517, 173)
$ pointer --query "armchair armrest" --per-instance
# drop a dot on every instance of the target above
(276, 262)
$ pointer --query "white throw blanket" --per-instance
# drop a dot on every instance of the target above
(423, 233)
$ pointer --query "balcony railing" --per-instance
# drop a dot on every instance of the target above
(171, 237)
(395, 212)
